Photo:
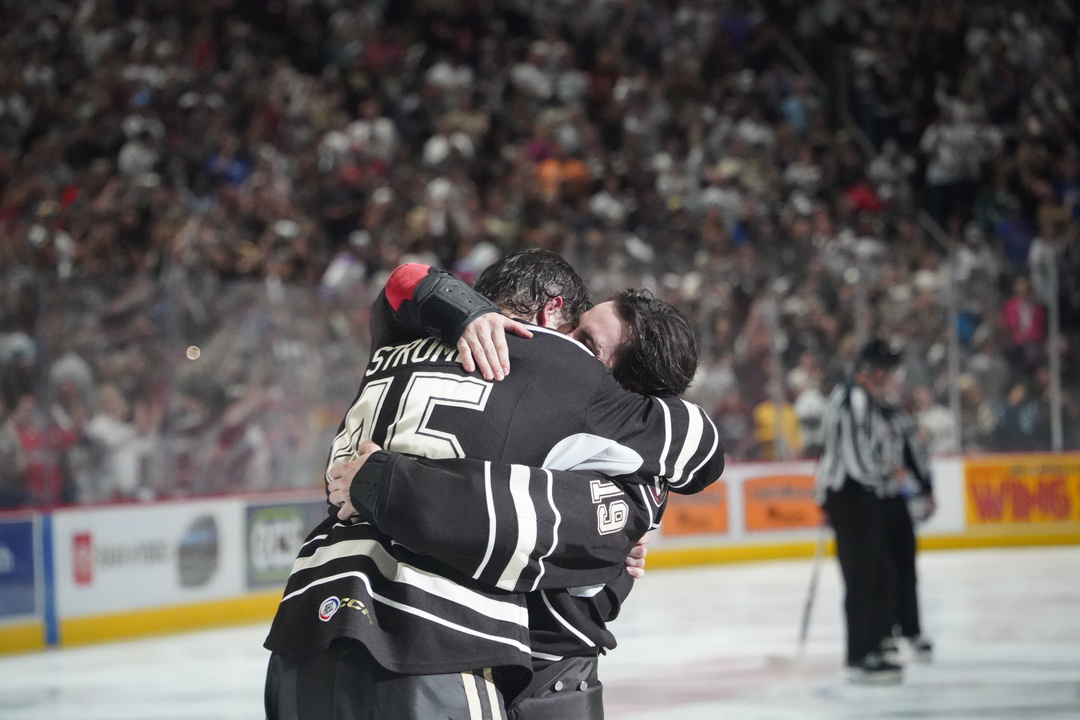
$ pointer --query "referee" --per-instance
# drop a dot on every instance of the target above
(854, 476)
(909, 499)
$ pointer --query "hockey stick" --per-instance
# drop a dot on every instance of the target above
(804, 624)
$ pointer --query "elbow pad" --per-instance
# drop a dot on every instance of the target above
(443, 306)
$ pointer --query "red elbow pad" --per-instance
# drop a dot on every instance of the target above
(403, 281)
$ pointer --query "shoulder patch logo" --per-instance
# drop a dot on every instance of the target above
(329, 606)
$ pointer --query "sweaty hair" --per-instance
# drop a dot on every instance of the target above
(660, 355)
(520, 283)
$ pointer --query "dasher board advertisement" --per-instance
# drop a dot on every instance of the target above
(780, 502)
(705, 512)
(146, 556)
(275, 532)
(20, 575)
(1004, 490)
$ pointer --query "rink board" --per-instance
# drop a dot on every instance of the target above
(91, 574)
(762, 511)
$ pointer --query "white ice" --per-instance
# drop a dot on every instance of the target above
(703, 643)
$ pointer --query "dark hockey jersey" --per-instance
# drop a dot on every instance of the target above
(572, 528)
(420, 615)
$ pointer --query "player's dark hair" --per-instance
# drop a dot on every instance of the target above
(522, 282)
(660, 355)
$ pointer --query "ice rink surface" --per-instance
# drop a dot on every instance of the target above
(704, 643)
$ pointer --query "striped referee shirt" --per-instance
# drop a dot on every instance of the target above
(867, 442)
(855, 438)
(906, 450)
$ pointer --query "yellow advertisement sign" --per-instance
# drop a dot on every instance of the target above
(705, 512)
(780, 502)
(1010, 489)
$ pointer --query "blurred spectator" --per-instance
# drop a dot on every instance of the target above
(13, 488)
(1016, 234)
(447, 145)
(776, 430)
(139, 157)
(1066, 185)
(562, 174)
(1043, 264)
(735, 422)
(976, 274)
(934, 423)
(891, 172)
(609, 204)
(1023, 319)
(372, 134)
(978, 418)
(149, 169)
(945, 144)
(46, 445)
(1022, 420)
(123, 441)
(809, 409)
(987, 366)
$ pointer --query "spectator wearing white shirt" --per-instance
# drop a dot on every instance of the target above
(15, 113)
(138, 156)
(935, 423)
(804, 172)
(450, 75)
(891, 172)
(609, 204)
(446, 143)
(723, 193)
(122, 447)
(529, 78)
(372, 134)
(809, 407)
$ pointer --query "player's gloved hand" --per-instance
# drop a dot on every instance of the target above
(635, 561)
(353, 491)
(483, 344)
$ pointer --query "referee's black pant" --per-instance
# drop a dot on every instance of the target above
(904, 598)
(857, 517)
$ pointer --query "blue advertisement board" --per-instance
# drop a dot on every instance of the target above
(19, 574)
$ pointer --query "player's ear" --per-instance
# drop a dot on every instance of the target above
(550, 315)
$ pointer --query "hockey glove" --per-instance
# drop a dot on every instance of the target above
(364, 490)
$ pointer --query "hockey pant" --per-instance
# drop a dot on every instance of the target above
(345, 683)
(565, 690)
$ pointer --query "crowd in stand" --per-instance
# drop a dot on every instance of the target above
(764, 166)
